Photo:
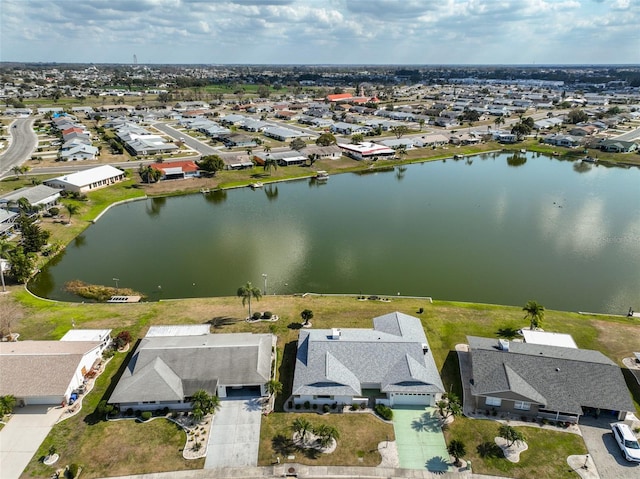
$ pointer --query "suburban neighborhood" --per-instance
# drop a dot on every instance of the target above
(123, 383)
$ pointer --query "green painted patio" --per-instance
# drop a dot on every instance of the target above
(419, 439)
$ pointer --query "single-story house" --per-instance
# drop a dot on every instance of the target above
(39, 196)
(366, 151)
(567, 141)
(102, 336)
(237, 140)
(236, 161)
(45, 372)
(87, 180)
(282, 134)
(545, 381)
(618, 146)
(506, 137)
(390, 364)
(282, 158)
(177, 169)
(332, 152)
(7, 222)
(348, 128)
(79, 152)
(166, 370)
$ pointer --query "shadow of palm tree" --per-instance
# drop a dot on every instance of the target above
(294, 326)
(489, 449)
(253, 404)
(283, 445)
(220, 321)
(508, 332)
(426, 423)
(438, 465)
(310, 452)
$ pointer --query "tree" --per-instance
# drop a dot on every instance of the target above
(326, 139)
(499, 121)
(401, 151)
(520, 130)
(457, 449)
(203, 403)
(510, 435)
(400, 130)
(297, 144)
(7, 403)
(274, 387)
(33, 237)
(267, 149)
(471, 116)
(577, 116)
(148, 174)
(325, 434)
(264, 91)
(313, 157)
(247, 292)
(535, 313)
(449, 406)
(21, 264)
(421, 122)
(302, 427)
(307, 315)
(72, 209)
(357, 138)
(210, 164)
(270, 163)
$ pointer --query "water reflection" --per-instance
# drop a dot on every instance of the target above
(216, 196)
(581, 167)
(155, 205)
(271, 192)
(516, 160)
(400, 172)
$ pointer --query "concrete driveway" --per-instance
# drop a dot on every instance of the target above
(235, 434)
(604, 450)
(22, 436)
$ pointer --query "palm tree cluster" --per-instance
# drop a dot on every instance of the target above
(510, 435)
(449, 406)
(323, 433)
(7, 403)
(203, 403)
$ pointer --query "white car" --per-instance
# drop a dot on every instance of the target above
(627, 441)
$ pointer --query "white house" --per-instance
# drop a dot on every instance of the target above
(87, 180)
(366, 151)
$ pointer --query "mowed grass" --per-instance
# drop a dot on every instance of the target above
(360, 435)
(545, 458)
(446, 324)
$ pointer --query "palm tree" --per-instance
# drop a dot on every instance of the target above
(510, 435)
(274, 387)
(270, 163)
(247, 292)
(457, 449)
(302, 427)
(203, 403)
(535, 313)
(307, 314)
(7, 403)
(267, 149)
(325, 434)
(71, 209)
(499, 121)
(313, 157)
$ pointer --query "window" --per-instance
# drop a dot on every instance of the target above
(491, 401)
(522, 405)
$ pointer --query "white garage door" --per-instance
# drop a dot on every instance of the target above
(411, 400)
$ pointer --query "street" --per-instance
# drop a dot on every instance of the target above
(23, 143)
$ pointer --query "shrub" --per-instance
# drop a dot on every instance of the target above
(72, 472)
(315, 406)
(326, 408)
(165, 411)
(54, 211)
(297, 407)
(307, 404)
(256, 316)
(138, 412)
(146, 415)
(384, 412)
(267, 315)
(334, 405)
(129, 412)
(363, 406)
(354, 407)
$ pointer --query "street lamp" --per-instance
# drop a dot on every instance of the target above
(264, 275)
(116, 280)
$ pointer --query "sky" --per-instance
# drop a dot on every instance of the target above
(413, 32)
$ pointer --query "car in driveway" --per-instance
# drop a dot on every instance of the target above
(627, 441)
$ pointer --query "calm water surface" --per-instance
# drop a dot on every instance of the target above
(494, 229)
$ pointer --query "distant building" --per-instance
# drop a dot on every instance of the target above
(87, 180)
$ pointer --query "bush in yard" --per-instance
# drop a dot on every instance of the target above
(325, 408)
(72, 472)
(384, 412)
(146, 415)
(122, 339)
(256, 316)
(129, 412)
(267, 315)
(307, 404)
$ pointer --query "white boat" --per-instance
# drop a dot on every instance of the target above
(523, 151)
(458, 157)
(257, 184)
(322, 175)
(204, 191)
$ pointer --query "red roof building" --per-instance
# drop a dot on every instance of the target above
(177, 169)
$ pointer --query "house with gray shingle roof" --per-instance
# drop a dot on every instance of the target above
(165, 371)
(543, 381)
(390, 364)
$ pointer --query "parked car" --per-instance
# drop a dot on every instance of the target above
(626, 441)
(73, 398)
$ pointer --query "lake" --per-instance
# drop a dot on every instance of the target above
(495, 228)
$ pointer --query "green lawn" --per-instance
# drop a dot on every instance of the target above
(545, 458)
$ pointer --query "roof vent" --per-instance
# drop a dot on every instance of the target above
(558, 369)
(425, 348)
(503, 344)
(335, 333)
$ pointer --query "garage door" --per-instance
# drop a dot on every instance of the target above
(243, 392)
(411, 400)
(43, 400)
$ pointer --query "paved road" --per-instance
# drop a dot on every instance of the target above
(22, 436)
(604, 450)
(191, 142)
(629, 136)
(23, 143)
(235, 434)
